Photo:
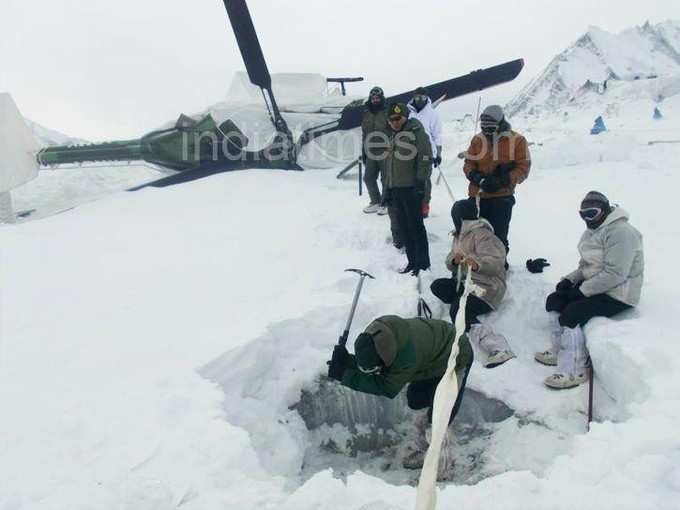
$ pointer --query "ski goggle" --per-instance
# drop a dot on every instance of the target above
(376, 91)
(420, 98)
(590, 213)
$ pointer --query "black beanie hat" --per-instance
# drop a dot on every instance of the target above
(597, 197)
(463, 210)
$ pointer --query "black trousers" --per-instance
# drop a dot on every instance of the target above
(420, 394)
(408, 206)
(578, 312)
(445, 289)
(498, 212)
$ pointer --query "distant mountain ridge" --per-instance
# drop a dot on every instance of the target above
(641, 52)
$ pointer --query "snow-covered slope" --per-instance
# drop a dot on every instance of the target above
(599, 56)
(153, 342)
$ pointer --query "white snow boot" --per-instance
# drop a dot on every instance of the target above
(549, 357)
(571, 360)
(382, 210)
(371, 208)
(560, 381)
(497, 358)
(495, 346)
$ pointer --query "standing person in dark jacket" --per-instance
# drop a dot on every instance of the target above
(373, 147)
(497, 160)
(392, 353)
(407, 168)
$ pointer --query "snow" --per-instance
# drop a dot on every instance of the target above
(153, 342)
(598, 55)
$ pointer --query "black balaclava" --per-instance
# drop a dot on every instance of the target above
(595, 208)
(491, 119)
(420, 98)
(376, 91)
(463, 210)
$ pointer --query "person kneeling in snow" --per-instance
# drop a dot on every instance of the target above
(608, 281)
(393, 352)
(477, 249)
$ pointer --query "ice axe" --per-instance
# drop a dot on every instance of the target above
(362, 276)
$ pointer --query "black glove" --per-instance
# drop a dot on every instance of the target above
(420, 188)
(504, 169)
(575, 293)
(490, 184)
(537, 265)
(436, 161)
(338, 362)
(564, 286)
(386, 197)
(475, 177)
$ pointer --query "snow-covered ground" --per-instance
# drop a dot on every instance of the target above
(151, 343)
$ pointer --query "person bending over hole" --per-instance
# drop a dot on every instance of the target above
(394, 352)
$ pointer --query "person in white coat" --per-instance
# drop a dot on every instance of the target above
(607, 282)
(421, 108)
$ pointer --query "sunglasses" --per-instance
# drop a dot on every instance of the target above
(590, 213)
(395, 118)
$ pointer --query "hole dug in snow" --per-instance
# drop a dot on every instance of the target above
(349, 430)
(301, 423)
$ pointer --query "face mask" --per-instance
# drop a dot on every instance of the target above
(420, 101)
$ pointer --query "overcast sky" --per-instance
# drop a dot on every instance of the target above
(102, 69)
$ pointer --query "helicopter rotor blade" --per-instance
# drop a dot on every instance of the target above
(248, 43)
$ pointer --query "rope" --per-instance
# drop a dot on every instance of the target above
(444, 400)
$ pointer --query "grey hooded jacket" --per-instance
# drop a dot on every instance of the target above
(478, 241)
(612, 260)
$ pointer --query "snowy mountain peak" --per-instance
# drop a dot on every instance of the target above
(641, 52)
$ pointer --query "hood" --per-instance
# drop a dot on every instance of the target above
(470, 225)
(412, 108)
(384, 340)
(617, 214)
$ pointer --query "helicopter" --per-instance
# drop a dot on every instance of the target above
(195, 148)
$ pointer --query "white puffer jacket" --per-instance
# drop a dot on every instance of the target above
(612, 260)
(430, 120)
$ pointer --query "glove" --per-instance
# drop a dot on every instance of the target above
(436, 161)
(564, 286)
(338, 362)
(575, 294)
(475, 177)
(420, 189)
(386, 197)
(537, 265)
(490, 184)
(504, 168)
(503, 173)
